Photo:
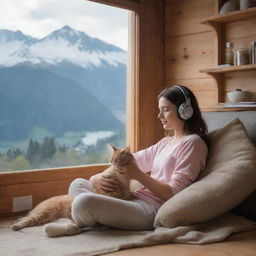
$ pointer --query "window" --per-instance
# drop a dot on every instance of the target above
(145, 76)
(63, 73)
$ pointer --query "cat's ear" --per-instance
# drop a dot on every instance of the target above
(114, 148)
(127, 149)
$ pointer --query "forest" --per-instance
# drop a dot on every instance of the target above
(49, 154)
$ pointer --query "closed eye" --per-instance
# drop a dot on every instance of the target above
(164, 109)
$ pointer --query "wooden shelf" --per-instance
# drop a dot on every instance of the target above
(229, 69)
(232, 16)
(222, 109)
(218, 23)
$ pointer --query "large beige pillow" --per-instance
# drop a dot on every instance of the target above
(247, 208)
(229, 177)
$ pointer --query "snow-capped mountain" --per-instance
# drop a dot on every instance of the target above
(10, 36)
(66, 81)
(65, 45)
(91, 63)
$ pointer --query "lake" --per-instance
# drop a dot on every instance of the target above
(91, 138)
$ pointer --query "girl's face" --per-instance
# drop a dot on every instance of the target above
(168, 115)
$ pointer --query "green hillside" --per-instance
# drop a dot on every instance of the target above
(34, 97)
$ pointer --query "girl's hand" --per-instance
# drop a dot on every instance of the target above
(104, 183)
(132, 170)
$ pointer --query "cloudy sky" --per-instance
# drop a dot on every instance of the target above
(38, 18)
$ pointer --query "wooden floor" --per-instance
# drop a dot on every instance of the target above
(239, 244)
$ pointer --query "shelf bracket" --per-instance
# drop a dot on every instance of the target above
(219, 79)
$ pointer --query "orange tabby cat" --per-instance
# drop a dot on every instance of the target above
(53, 208)
(60, 206)
(120, 158)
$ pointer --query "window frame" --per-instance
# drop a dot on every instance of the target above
(145, 80)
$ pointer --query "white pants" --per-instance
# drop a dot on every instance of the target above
(90, 209)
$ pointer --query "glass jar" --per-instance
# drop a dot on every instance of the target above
(229, 55)
(242, 57)
(253, 52)
(244, 4)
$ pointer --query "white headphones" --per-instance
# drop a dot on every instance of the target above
(185, 109)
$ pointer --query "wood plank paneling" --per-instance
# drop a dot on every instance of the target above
(39, 193)
(132, 81)
(126, 4)
(183, 17)
(241, 33)
(197, 84)
(41, 184)
(191, 46)
(237, 81)
(37, 176)
(186, 55)
(240, 29)
(150, 71)
(203, 88)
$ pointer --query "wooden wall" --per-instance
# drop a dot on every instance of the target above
(191, 46)
(41, 184)
(147, 47)
(241, 33)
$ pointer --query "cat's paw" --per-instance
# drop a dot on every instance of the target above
(21, 223)
(16, 227)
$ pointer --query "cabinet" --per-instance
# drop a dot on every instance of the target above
(219, 23)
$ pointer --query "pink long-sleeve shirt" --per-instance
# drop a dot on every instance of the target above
(176, 164)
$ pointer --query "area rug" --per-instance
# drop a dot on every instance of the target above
(32, 241)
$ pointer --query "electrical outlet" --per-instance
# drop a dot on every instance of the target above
(22, 203)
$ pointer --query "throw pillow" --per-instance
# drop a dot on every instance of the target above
(247, 207)
(229, 177)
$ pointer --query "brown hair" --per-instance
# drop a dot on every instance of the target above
(195, 124)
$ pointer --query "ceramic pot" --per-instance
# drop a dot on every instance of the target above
(228, 7)
(239, 96)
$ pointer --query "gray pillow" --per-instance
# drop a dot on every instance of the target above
(229, 177)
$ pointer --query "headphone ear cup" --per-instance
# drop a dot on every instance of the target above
(188, 112)
(181, 110)
(185, 111)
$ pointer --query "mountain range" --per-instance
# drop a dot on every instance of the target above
(64, 81)
(63, 45)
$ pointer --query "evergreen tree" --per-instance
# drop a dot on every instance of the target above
(48, 148)
(12, 154)
(29, 154)
(9, 154)
(33, 152)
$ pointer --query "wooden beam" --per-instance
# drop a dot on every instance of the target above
(43, 175)
(150, 71)
(125, 4)
(132, 107)
(40, 184)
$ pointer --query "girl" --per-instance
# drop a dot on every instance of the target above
(174, 162)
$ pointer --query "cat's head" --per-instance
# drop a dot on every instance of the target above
(121, 157)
